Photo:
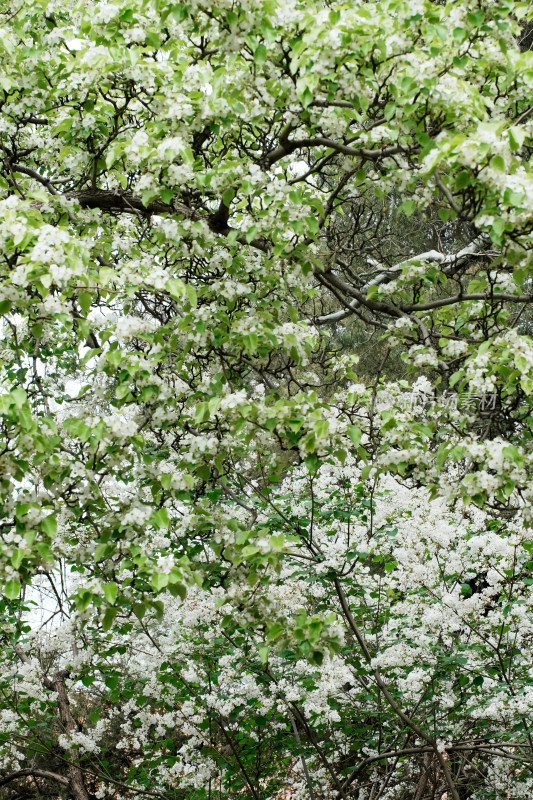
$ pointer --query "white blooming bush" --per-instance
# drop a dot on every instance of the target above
(234, 561)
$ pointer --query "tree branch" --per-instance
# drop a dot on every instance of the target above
(127, 202)
(57, 684)
(35, 773)
(32, 173)
(450, 262)
(406, 719)
(447, 194)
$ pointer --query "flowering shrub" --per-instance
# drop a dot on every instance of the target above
(234, 562)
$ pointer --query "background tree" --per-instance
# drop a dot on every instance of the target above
(269, 572)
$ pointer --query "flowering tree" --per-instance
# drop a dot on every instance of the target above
(233, 563)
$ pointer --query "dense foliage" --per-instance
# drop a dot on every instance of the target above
(235, 561)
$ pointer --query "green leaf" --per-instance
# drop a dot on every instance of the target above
(498, 227)
(407, 207)
(176, 288)
(263, 654)
(243, 537)
(317, 657)
(249, 550)
(17, 558)
(148, 196)
(228, 196)
(100, 551)
(160, 519)
(111, 681)
(274, 631)
(110, 592)
(139, 609)
(251, 233)
(49, 526)
(12, 589)
(497, 163)
(201, 413)
(159, 580)
(456, 377)
(517, 137)
(83, 599)
(354, 433)
(312, 463)
(511, 452)
(191, 295)
(260, 54)
(85, 300)
(389, 111)
(512, 198)
(306, 97)
(178, 590)
(109, 618)
(43, 548)
(19, 397)
(526, 385)
(365, 472)
(463, 178)
(203, 472)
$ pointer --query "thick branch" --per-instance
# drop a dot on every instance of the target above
(77, 783)
(287, 147)
(329, 279)
(127, 202)
(345, 149)
(35, 773)
(450, 263)
(57, 684)
(32, 173)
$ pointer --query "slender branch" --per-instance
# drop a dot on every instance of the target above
(499, 297)
(523, 116)
(32, 173)
(386, 693)
(286, 147)
(371, 155)
(447, 194)
(302, 757)
(331, 103)
(329, 279)
(238, 759)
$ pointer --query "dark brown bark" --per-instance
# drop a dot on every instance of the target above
(34, 773)
(68, 723)
(127, 202)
